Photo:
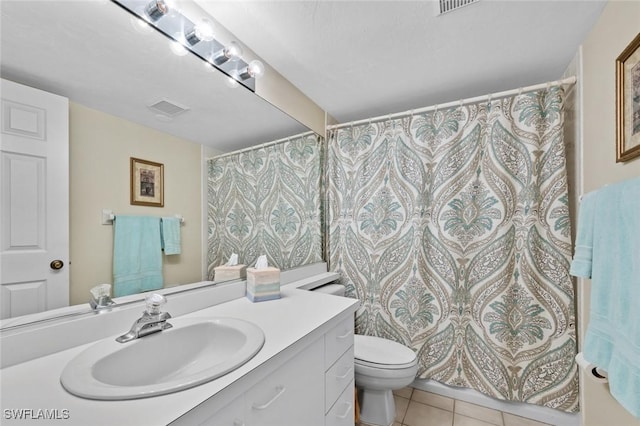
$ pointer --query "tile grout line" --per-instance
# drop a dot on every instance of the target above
(503, 421)
(407, 410)
(453, 411)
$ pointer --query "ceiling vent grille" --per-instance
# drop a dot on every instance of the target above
(450, 5)
(167, 108)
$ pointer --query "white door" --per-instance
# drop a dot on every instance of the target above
(34, 203)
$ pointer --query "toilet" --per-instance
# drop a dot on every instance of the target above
(381, 366)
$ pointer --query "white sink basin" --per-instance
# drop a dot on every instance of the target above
(194, 351)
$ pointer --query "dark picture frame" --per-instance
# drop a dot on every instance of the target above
(147, 183)
(628, 102)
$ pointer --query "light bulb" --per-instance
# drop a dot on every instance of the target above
(202, 31)
(231, 52)
(255, 69)
(178, 49)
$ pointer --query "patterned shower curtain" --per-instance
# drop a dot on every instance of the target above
(266, 201)
(452, 228)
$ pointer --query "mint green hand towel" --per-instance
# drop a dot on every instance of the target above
(137, 255)
(171, 235)
(608, 251)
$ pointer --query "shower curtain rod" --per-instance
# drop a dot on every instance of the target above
(565, 82)
(264, 145)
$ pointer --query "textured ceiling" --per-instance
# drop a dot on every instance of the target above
(356, 59)
(93, 53)
(359, 59)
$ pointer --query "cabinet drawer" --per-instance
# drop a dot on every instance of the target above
(342, 414)
(337, 378)
(291, 395)
(231, 415)
(337, 341)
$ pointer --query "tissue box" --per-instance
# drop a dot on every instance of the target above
(263, 284)
(226, 272)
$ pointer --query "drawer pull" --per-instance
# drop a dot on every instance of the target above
(344, 336)
(280, 390)
(346, 411)
(344, 376)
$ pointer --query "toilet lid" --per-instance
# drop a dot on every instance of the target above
(382, 352)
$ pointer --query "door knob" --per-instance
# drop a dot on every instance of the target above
(56, 264)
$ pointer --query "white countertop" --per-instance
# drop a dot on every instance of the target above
(35, 385)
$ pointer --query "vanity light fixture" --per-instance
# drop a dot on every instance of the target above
(230, 52)
(156, 9)
(197, 37)
(178, 48)
(202, 31)
(232, 80)
(255, 69)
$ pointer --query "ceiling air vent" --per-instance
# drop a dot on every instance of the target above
(449, 5)
(167, 108)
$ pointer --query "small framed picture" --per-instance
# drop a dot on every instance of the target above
(628, 102)
(147, 183)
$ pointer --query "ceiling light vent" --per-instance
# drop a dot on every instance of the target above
(450, 5)
(167, 108)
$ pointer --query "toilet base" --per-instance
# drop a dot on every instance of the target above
(377, 407)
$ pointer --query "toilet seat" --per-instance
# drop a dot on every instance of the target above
(376, 352)
(360, 362)
(381, 366)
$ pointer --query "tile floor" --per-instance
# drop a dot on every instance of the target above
(415, 407)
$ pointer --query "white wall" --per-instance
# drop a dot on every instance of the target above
(617, 26)
(99, 149)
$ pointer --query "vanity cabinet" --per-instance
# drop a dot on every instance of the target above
(313, 388)
(302, 376)
(339, 374)
(341, 414)
(230, 415)
(291, 395)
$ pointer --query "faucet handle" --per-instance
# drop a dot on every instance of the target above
(154, 301)
(100, 297)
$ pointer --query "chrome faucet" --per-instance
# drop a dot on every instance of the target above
(100, 299)
(151, 321)
(102, 302)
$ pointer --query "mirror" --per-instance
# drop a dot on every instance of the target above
(111, 69)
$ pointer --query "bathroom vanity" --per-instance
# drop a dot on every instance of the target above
(303, 375)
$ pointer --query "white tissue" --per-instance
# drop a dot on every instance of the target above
(262, 262)
(592, 371)
(233, 260)
(101, 290)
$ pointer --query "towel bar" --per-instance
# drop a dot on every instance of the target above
(108, 217)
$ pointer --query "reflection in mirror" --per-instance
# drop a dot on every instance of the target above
(198, 36)
(112, 70)
(266, 201)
